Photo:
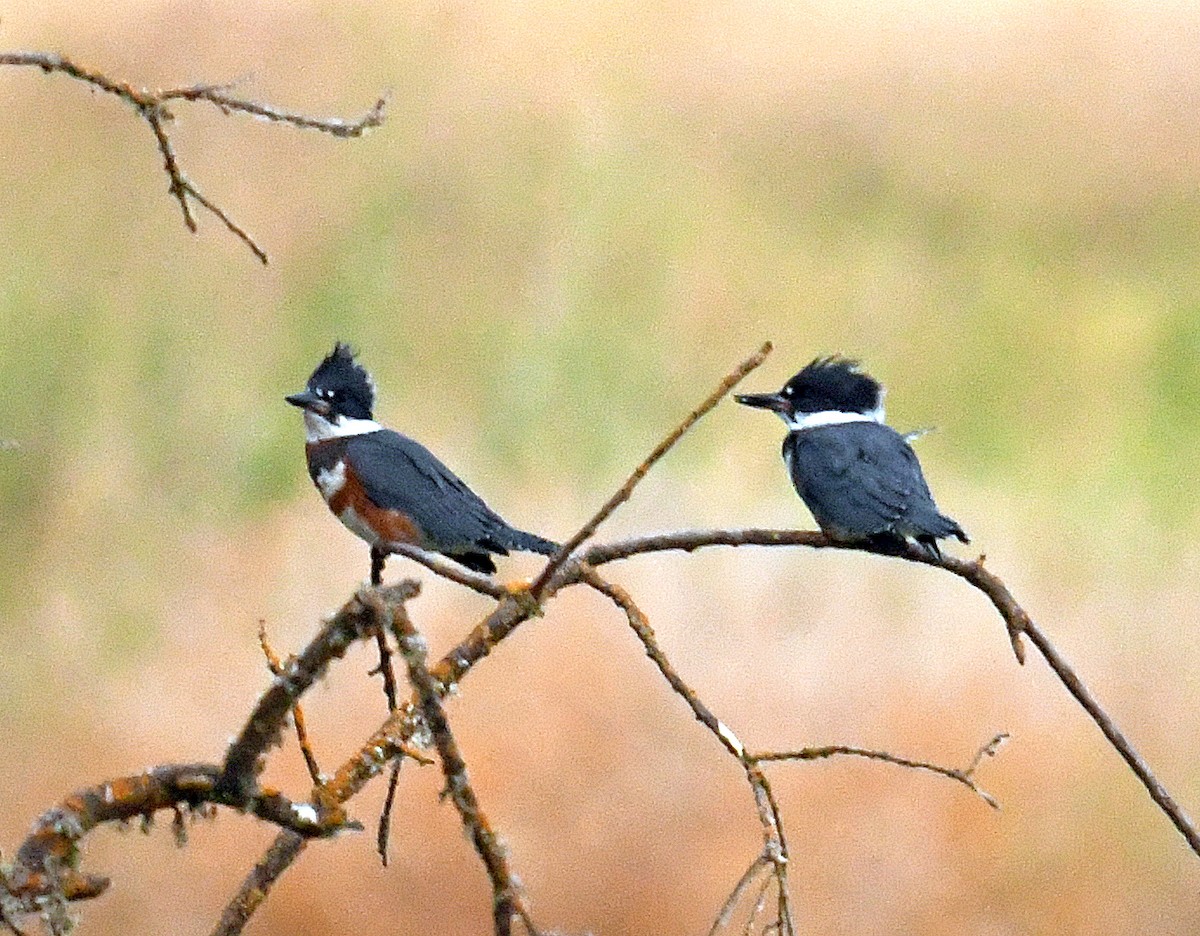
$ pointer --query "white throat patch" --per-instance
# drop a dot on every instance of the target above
(801, 421)
(318, 429)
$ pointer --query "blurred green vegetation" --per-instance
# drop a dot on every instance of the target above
(546, 257)
(577, 217)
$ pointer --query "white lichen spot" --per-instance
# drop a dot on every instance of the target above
(421, 736)
(305, 813)
(730, 738)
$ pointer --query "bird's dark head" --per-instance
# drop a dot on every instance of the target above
(340, 395)
(829, 390)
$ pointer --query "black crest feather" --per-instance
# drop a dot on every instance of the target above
(345, 383)
(833, 383)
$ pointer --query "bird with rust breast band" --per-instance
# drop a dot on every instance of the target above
(858, 476)
(387, 488)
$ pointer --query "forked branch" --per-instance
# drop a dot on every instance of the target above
(151, 106)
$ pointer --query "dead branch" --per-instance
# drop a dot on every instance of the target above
(45, 863)
(775, 849)
(353, 622)
(508, 900)
(151, 106)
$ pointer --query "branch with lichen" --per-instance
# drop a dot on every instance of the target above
(151, 106)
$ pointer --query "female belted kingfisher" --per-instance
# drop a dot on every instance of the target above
(858, 476)
(385, 487)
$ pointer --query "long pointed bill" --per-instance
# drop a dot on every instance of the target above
(307, 400)
(775, 402)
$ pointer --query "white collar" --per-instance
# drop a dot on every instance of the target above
(319, 429)
(801, 421)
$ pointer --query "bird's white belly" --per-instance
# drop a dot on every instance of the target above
(356, 525)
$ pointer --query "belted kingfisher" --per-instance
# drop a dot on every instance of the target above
(858, 476)
(385, 487)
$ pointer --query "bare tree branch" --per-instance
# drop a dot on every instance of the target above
(353, 622)
(775, 849)
(45, 863)
(151, 106)
(421, 721)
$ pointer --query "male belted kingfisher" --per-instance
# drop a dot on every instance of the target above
(858, 476)
(385, 487)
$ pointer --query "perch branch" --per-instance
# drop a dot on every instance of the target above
(1016, 620)
(567, 568)
(152, 107)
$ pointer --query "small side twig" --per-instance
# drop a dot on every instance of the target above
(276, 667)
(384, 829)
(759, 865)
(151, 106)
(963, 775)
(775, 848)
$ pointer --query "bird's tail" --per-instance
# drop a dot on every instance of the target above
(531, 542)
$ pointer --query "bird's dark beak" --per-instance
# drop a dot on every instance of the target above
(307, 400)
(775, 402)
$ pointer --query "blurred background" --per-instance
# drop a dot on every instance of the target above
(576, 219)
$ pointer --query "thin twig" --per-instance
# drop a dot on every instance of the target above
(449, 569)
(276, 668)
(760, 902)
(261, 731)
(150, 105)
(278, 858)
(757, 867)
(384, 830)
(963, 775)
(625, 491)
(1017, 622)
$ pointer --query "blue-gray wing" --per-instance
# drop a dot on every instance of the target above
(399, 473)
(863, 479)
